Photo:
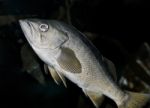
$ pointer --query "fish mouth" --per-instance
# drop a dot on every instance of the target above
(26, 27)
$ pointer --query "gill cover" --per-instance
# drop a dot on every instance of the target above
(52, 38)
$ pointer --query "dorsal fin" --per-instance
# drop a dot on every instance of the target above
(111, 68)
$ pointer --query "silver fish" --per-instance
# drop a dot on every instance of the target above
(69, 54)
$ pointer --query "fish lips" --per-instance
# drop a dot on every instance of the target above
(27, 29)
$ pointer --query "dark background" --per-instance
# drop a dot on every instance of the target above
(121, 26)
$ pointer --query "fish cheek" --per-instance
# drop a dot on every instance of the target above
(42, 38)
(56, 40)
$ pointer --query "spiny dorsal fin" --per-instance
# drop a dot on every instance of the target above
(68, 61)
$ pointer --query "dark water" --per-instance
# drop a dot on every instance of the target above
(118, 28)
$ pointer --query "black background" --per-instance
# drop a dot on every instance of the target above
(124, 21)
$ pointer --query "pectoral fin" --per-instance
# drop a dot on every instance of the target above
(68, 61)
(111, 68)
(96, 98)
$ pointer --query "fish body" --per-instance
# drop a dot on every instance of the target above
(67, 53)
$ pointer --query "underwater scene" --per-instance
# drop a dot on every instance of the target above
(74, 54)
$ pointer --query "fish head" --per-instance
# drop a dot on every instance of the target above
(43, 34)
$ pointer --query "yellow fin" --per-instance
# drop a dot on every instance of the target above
(58, 78)
(57, 75)
(54, 75)
(96, 98)
(68, 61)
(135, 100)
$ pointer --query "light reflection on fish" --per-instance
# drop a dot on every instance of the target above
(69, 54)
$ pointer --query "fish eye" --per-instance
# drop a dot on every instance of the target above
(43, 27)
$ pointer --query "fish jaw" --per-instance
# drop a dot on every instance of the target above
(26, 28)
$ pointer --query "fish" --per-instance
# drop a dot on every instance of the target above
(68, 54)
